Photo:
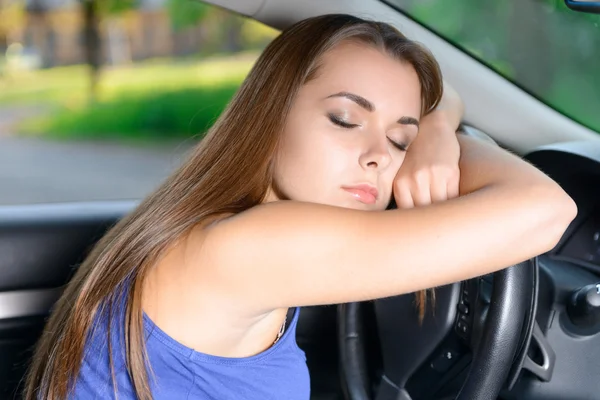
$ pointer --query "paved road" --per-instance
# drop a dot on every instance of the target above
(37, 171)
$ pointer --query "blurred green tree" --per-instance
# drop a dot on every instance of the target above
(183, 13)
(92, 43)
(186, 13)
(93, 11)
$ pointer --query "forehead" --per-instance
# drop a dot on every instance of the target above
(390, 84)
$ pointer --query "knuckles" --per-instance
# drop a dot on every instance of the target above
(428, 174)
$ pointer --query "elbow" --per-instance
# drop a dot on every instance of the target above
(561, 211)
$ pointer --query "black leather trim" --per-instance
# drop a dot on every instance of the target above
(41, 245)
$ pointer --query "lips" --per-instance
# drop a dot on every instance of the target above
(364, 193)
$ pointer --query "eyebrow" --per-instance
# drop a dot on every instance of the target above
(367, 105)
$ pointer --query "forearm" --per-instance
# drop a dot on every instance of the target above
(449, 111)
(484, 165)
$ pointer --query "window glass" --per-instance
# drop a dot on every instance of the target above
(547, 49)
(101, 99)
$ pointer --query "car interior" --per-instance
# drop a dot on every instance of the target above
(529, 332)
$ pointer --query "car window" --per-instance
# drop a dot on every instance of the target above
(100, 100)
(542, 46)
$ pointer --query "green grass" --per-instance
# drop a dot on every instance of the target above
(143, 116)
(157, 99)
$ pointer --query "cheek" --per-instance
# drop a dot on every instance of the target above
(317, 148)
(398, 160)
(312, 164)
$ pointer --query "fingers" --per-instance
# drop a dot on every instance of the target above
(403, 196)
(422, 193)
(439, 191)
(424, 188)
(453, 188)
(415, 192)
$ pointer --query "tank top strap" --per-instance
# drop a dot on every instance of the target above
(290, 322)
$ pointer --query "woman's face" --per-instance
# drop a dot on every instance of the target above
(348, 129)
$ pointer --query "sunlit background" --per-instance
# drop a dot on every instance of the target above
(100, 99)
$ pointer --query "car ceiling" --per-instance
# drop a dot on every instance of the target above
(494, 105)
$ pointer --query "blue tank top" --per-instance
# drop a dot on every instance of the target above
(179, 372)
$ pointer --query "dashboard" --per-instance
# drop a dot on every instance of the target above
(576, 167)
(563, 356)
(583, 246)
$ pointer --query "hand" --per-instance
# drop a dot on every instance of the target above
(430, 172)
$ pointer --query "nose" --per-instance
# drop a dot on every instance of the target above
(376, 154)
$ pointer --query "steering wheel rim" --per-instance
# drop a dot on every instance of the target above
(492, 358)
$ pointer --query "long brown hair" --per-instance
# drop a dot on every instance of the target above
(228, 172)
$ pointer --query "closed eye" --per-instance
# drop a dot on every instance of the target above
(340, 122)
(399, 146)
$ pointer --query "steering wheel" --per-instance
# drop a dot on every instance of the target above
(495, 340)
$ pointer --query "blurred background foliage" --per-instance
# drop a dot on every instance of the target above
(162, 69)
(547, 49)
(143, 69)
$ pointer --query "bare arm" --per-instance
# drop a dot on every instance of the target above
(451, 108)
(293, 254)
